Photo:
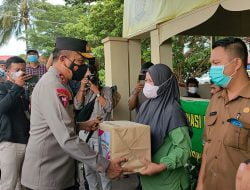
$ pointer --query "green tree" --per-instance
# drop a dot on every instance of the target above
(191, 56)
(101, 19)
(98, 20)
(78, 2)
(48, 23)
(92, 22)
(14, 19)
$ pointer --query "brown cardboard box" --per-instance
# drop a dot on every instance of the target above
(126, 139)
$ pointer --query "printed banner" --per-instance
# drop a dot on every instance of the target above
(195, 111)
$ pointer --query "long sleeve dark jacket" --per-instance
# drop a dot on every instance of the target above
(14, 124)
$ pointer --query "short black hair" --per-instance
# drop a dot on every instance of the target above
(32, 50)
(146, 65)
(14, 59)
(193, 81)
(2, 62)
(237, 47)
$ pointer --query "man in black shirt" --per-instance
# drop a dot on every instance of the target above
(14, 123)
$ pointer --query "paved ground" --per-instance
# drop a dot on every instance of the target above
(128, 183)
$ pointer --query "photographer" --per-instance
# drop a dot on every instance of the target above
(14, 125)
(95, 102)
(2, 71)
(137, 97)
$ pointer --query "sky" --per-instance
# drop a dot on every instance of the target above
(15, 47)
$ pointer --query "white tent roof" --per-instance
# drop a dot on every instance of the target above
(208, 17)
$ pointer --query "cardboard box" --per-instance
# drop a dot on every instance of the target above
(126, 139)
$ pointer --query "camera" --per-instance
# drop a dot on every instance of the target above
(93, 78)
(142, 77)
(33, 80)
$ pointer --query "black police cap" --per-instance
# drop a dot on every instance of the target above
(73, 44)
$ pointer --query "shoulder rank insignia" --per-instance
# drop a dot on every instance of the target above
(64, 96)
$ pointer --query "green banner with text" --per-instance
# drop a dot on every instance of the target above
(195, 110)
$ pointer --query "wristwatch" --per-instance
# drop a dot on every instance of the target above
(98, 95)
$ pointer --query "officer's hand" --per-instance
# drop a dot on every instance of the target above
(242, 177)
(20, 81)
(90, 125)
(115, 170)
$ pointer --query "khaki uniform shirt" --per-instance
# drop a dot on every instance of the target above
(228, 144)
(53, 145)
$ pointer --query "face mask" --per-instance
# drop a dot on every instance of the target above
(2, 73)
(79, 73)
(32, 58)
(16, 74)
(192, 90)
(150, 91)
(216, 73)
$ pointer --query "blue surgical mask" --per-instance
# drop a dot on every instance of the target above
(2, 73)
(32, 58)
(216, 74)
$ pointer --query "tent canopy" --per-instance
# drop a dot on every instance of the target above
(189, 17)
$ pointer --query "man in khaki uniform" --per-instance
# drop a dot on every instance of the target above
(53, 145)
(227, 126)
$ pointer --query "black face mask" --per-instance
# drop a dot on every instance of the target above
(79, 73)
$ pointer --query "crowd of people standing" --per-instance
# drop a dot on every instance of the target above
(49, 117)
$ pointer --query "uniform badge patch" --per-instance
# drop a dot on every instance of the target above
(246, 110)
(64, 96)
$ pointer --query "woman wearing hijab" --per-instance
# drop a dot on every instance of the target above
(170, 138)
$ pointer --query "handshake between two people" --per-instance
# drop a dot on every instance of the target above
(115, 169)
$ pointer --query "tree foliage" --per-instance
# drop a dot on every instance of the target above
(90, 22)
(48, 23)
(78, 2)
(95, 21)
(14, 19)
(102, 19)
(191, 56)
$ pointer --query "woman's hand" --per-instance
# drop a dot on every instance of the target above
(84, 82)
(94, 88)
(152, 168)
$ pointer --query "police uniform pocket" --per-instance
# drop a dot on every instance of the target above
(236, 137)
